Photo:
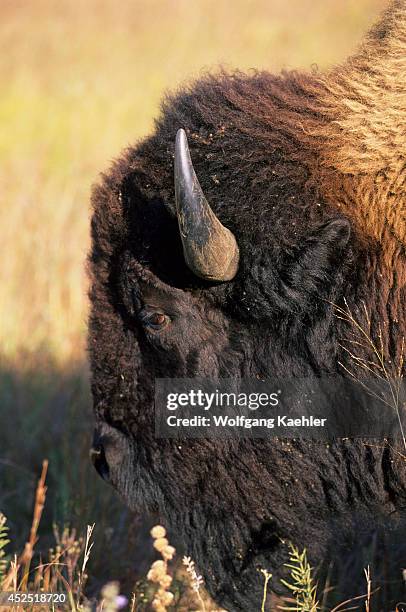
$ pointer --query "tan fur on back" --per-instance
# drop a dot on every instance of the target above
(365, 139)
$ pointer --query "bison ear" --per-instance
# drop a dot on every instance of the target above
(324, 246)
(318, 265)
(300, 281)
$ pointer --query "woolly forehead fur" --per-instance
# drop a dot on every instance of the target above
(272, 150)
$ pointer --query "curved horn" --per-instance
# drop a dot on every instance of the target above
(209, 248)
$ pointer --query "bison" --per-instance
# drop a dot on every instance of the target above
(221, 245)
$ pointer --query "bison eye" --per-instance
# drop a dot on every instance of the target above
(154, 320)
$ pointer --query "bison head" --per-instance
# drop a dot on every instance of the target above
(186, 301)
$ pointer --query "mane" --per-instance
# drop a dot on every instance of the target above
(366, 100)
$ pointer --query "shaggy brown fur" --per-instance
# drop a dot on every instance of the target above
(308, 171)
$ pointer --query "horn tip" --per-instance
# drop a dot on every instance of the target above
(183, 163)
(180, 135)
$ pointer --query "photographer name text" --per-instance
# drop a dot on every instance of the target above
(242, 421)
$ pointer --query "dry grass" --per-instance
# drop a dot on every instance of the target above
(369, 358)
(66, 571)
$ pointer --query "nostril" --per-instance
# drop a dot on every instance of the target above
(98, 458)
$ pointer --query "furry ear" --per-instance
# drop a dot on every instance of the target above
(299, 283)
(315, 270)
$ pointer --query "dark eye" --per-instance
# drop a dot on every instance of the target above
(154, 320)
